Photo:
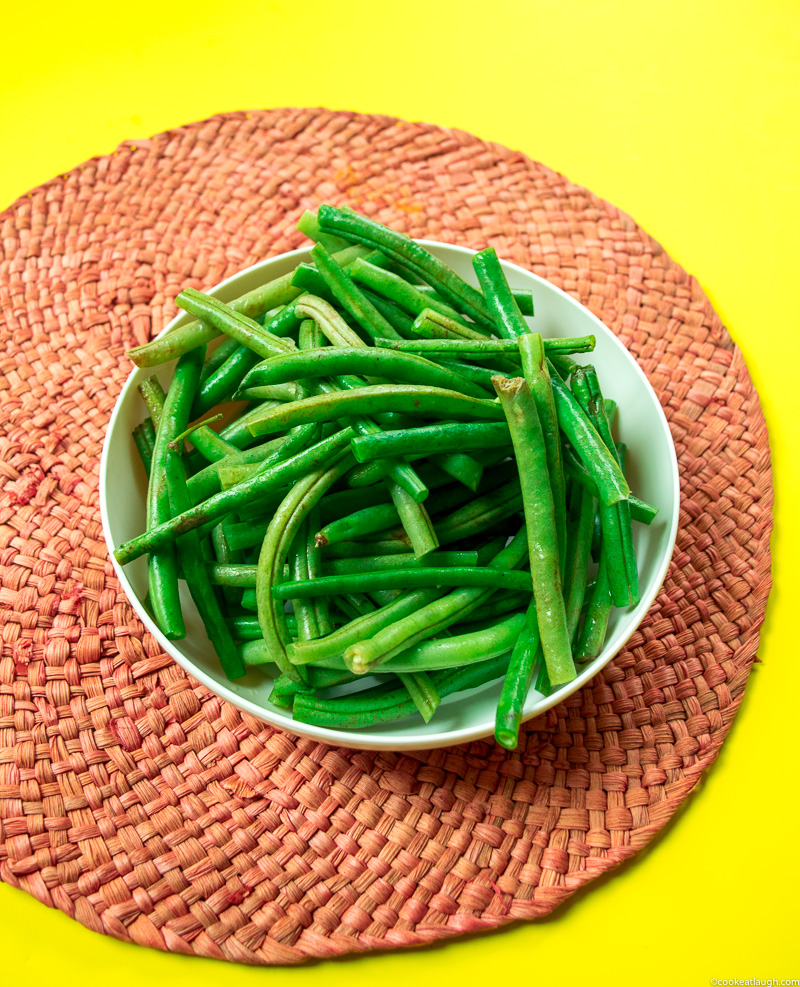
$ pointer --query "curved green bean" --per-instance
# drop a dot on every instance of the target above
(432, 401)
(282, 530)
(329, 361)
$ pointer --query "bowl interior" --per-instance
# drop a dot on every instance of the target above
(652, 470)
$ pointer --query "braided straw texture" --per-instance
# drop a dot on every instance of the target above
(142, 805)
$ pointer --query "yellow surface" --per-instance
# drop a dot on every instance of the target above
(685, 114)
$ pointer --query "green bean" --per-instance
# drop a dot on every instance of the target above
(212, 446)
(623, 506)
(461, 467)
(349, 296)
(162, 563)
(205, 440)
(249, 534)
(640, 510)
(329, 321)
(335, 644)
(463, 649)
(357, 524)
(577, 566)
(615, 519)
(482, 376)
(353, 605)
(145, 444)
(482, 513)
(321, 604)
(564, 365)
(205, 483)
(311, 281)
(500, 603)
(282, 529)
(333, 360)
(405, 560)
(344, 502)
(287, 321)
(431, 401)
(523, 297)
(517, 681)
(357, 549)
(433, 325)
(542, 684)
(243, 575)
(257, 653)
(484, 346)
(309, 225)
(423, 693)
(537, 499)
(397, 289)
(595, 624)
(152, 393)
(298, 569)
(223, 382)
(238, 431)
(409, 254)
(385, 703)
(508, 320)
(435, 616)
(283, 691)
(232, 500)
(397, 469)
(575, 424)
(278, 392)
(184, 338)
(394, 315)
(223, 553)
(245, 628)
(193, 567)
(215, 360)
(232, 323)
(431, 439)
(532, 350)
(414, 518)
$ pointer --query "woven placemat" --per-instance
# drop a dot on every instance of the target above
(137, 802)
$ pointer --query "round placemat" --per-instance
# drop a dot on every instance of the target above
(139, 803)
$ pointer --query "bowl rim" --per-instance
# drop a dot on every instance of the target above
(363, 739)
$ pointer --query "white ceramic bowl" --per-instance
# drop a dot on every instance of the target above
(653, 473)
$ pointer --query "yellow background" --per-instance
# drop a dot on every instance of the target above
(685, 114)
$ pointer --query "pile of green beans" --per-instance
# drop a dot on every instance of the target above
(420, 491)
